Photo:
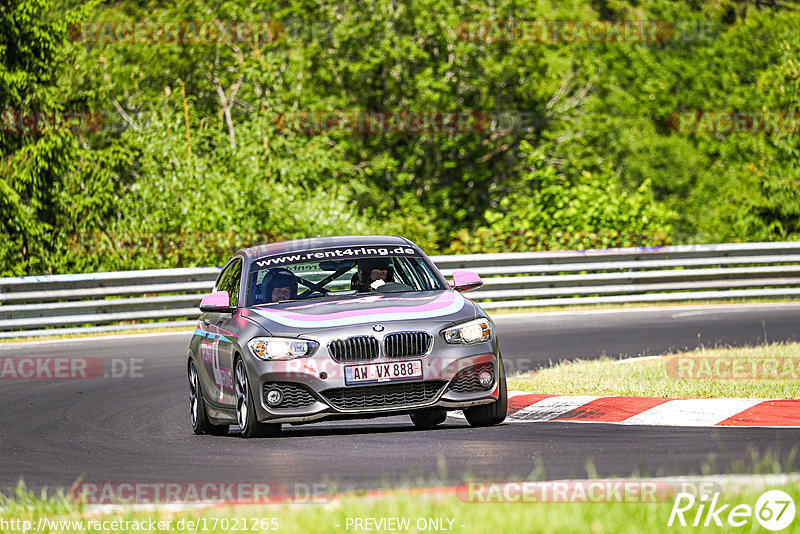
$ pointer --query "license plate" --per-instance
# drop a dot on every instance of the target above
(382, 372)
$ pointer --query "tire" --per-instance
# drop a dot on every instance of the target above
(494, 413)
(428, 418)
(249, 424)
(197, 406)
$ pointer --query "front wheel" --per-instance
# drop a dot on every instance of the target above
(200, 422)
(494, 413)
(250, 426)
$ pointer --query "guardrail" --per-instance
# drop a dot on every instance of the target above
(96, 302)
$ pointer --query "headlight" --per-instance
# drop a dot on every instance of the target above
(277, 348)
(467, 333)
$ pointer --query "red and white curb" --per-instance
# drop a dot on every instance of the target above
(531, 407)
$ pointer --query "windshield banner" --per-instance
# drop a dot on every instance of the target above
(337, 253)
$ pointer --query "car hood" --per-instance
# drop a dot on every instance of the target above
(322, 314)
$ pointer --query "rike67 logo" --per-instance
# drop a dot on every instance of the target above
(774, 510)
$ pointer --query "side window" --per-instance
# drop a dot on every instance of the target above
(230, 280)
(221, 279)
(233, 281)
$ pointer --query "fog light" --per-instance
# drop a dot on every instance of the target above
(485, 379)
(274, 397)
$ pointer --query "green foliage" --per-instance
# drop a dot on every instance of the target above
(51, 182)
(549, 211)
(724, 56)
(193, 159)
(31, 164)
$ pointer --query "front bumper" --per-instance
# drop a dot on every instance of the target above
(314, 388)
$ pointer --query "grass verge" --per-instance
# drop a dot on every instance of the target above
(770, 371)
(423, 512)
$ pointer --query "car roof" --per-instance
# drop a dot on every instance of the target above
(323, 242)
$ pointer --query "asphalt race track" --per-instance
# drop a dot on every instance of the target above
(136, 428)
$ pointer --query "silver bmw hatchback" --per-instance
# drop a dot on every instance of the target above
(341, 328)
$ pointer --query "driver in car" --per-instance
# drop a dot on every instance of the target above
(278, 285)
(281, 293)
(371, 275)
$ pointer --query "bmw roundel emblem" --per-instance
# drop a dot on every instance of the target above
(378, 328)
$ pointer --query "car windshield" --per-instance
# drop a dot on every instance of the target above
(339, 272)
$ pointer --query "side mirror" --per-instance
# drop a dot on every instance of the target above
(466, 281)
(218, 302)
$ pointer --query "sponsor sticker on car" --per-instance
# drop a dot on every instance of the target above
(382, 372)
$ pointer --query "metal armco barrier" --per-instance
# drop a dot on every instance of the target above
(96, 302)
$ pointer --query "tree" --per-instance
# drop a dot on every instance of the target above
(35, 157)
(548, 211)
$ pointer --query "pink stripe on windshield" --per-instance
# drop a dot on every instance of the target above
(443, 301)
